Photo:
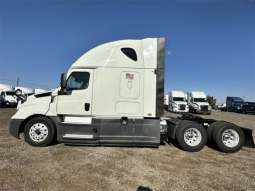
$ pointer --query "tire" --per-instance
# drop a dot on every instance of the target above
(228, 137)
(210, 129)
(191, 136)
(39, 132)
(194, 111)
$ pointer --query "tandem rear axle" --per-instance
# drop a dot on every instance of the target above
(192, 132)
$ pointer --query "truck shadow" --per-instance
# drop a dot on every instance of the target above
(175, 144)
(141, 188)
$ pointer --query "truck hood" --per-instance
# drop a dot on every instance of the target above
(38, 99)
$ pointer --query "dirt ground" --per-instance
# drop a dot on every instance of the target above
(61, 167)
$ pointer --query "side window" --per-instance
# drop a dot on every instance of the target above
(129, 52)
(78, 81)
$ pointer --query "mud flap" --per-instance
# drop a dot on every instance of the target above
(249, 142)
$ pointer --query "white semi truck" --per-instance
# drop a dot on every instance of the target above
(113, 95)
(178, 102)
(166, 101)
(198, 103)
(7, 92)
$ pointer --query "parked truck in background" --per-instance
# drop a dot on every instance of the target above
(166, 101)
(178, 102)
(234, 103)
(7, 92)
(2, 101)
(118, 101)
(197, 102)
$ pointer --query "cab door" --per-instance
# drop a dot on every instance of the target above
(78, 95)
(75, 109)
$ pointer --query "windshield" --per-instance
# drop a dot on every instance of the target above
(10, 93)
(200, 100)
(178, 99)
(239, 103)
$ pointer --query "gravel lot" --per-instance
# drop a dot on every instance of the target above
(61, 167)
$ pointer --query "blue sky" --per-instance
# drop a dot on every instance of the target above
(212, 42)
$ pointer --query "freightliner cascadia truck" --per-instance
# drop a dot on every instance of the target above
(178, 102)
(198, 103)
(113, 95)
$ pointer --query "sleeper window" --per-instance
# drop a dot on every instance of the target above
(129, 52)
(78, 81)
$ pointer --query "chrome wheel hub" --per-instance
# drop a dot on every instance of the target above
(192, 137)
(230, 138)
(38, 132)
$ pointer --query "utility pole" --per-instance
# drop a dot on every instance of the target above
(18, 82)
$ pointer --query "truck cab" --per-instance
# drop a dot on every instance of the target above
(234, 103)
(198, 103)
(112, 95)
(178, 102)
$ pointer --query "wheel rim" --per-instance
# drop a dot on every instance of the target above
(192, 137)
(230, 138)
(38, 132)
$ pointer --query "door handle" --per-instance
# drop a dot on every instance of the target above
(87, 106)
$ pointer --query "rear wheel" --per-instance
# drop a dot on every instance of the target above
(191, 136)
(210, 129)
(228, 137)
(39, 132)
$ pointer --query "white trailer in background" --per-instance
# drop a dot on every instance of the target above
(7, 92)
(39, 91)
(5, 87)
(197, 102)
(166, 101)
(178, 102)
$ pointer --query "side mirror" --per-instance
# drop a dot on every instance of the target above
(19, 94)
(62, 84)
(63, 80)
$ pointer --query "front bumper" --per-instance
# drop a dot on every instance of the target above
(12, 104)
(180, 111)
(203, 112)
(15, 125)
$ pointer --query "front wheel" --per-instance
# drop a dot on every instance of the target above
(39, 131)
(191, 136)
(228, 137)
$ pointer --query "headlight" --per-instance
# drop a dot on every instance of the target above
(209, 107)
(195, 106)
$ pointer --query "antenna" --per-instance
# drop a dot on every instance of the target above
(18, 82)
